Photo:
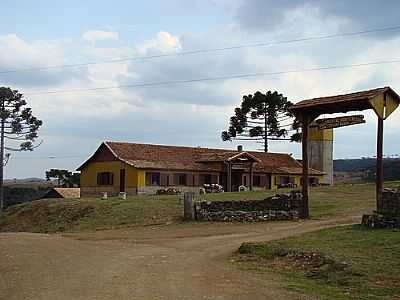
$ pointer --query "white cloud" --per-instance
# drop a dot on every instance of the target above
(163, 42)
(16, 53)
(99, 35)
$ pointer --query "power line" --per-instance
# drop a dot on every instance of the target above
(199, 51)
(49, 157)
(205, 79)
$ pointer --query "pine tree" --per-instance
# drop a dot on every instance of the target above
(262, 118)
(18, 127)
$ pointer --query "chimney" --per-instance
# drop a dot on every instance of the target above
(240, 148)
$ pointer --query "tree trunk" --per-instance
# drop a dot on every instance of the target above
(265, 130)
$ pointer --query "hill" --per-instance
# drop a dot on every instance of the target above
(365, 167)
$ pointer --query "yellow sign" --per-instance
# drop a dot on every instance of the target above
(384, 108)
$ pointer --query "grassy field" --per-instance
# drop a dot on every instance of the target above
(340, 263)
(58, 215)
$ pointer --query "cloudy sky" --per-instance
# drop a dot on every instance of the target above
(43, 33)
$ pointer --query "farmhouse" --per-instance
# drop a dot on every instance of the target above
(143, 168)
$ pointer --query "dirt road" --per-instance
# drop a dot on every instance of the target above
(188, 261)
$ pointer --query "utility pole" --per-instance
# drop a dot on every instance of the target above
(2, 116)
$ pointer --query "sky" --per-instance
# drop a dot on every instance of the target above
(44, 33)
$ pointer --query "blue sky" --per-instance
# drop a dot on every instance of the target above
(46, 33)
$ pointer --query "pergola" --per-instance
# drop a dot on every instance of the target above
(383, 101)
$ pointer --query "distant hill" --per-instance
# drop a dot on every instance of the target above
(366, 166)
(351, 165)
(24, 190)
(24, 180)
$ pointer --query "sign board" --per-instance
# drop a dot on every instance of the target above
(330, 123)
(239, 166)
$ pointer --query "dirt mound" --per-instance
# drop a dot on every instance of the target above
(312, 264)
(45, 216)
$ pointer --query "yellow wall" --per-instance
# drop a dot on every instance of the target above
(316, 134)
(297, 180)
(273, 182)
(133, 177)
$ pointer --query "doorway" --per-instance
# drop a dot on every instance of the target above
(122, 180)
(236, 181)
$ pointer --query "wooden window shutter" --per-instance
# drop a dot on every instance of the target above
(163, 179)
(111, 182)
(263, 181)
(214, 178)
(148, 178)
(196, 180)
(172, 179)
(189, 179)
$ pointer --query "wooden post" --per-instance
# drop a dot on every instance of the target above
(229, 179)
(304, 187)
(251, 176)
(188, 206)
(379, 163)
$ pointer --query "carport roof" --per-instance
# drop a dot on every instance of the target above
(342, 103)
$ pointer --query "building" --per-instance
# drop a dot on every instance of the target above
(67, 193)
(142, 168)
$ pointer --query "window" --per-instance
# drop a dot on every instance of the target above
(152, 178)
(257, 180)
(180, 179)
(205, 179)
(105, 178)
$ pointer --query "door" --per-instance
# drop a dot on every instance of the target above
(122, 180)
(237, 180)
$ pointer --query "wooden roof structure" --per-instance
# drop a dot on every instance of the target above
(371, 99)
(384, 101)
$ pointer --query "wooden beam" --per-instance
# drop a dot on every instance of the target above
(379, 162)
(304, 187)
(229, 179)
(251, 176)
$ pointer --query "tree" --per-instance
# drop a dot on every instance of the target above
(18, 127)
(64, 177)
(74, 180)
(260, 118)
(60, 175)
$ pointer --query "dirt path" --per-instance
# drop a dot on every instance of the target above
(189, 261)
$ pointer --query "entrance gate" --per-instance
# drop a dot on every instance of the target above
(383, 101)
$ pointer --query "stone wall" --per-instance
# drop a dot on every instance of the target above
(390, 201)
(279, 207)
(388, 213)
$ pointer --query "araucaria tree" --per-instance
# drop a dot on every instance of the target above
(262, 118)
(64, 178)
(18, 128)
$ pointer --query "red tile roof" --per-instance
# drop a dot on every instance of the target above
(147, 156)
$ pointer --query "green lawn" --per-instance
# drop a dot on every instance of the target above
(340, 263)
(56, 215)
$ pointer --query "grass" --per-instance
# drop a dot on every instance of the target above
(348, 262)
(59, 215)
